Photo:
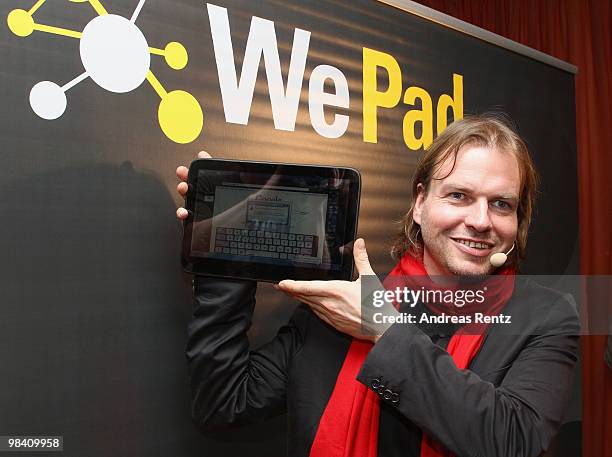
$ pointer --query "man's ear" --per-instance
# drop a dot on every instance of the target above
(418, 204)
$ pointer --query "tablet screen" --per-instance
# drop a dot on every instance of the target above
(291, 221)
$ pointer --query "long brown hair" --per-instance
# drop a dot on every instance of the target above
(486, 130)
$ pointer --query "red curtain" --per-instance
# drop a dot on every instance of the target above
(580, 32)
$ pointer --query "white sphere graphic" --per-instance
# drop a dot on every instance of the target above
(48, 100)
(115, 53)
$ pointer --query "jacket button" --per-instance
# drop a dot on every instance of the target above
(387, 394)
(394, 397)
(376, 382)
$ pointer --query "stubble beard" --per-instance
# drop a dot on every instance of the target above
(440, 250)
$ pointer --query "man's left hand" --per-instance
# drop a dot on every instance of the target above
(336, 302)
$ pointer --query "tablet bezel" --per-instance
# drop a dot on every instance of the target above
(263, 271)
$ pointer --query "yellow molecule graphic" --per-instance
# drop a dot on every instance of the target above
(117, 57)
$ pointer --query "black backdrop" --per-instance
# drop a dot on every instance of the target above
(94, 304)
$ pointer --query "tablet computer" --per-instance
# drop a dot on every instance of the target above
(270, 221)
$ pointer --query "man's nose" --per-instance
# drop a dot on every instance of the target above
(478, 216)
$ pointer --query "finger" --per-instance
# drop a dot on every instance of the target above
(182, 213)
(182, 188)
(313, 300)
(361, 258)
(182, 172)
(304, 287)
(311, 303)
(310, 300)
(204, 155)
(314, 305)
(286, 292)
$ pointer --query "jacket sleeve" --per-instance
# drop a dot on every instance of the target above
(472, 417)
(230, 384)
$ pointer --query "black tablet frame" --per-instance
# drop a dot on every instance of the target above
(266, 272)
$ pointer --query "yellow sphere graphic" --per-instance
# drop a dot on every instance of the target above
(117, 57)
(180, 116)
(20, 22)
(175, 55)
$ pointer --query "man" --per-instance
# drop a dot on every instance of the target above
(403, 392)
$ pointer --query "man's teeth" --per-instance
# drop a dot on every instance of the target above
(473, 244)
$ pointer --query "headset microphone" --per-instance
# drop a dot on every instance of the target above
(499, 258)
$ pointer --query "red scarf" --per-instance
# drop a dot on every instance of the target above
(349, 424)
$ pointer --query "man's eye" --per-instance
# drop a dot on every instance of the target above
(502, 204)
(457, 195)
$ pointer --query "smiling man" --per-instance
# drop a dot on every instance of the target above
(471, 213)
(405, 390)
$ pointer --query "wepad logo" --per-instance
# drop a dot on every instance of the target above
(116, 56)
(237, 95)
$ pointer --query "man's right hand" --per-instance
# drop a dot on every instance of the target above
(181, 187)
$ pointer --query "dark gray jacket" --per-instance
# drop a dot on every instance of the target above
(509, 403)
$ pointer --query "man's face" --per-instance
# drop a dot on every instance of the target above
(476, 203)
